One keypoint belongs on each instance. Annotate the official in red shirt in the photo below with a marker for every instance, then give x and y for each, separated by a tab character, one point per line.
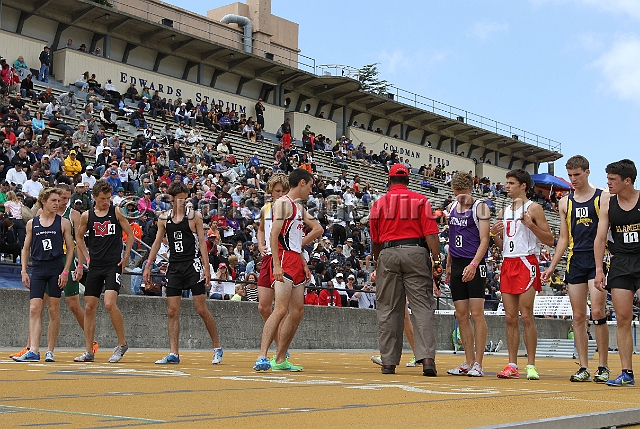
403	233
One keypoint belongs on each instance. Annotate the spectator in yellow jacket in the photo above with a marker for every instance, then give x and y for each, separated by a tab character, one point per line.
71	165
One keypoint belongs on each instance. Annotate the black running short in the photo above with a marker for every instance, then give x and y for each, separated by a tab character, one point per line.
185	275
102	278
44	273
472	289
581	267
624	272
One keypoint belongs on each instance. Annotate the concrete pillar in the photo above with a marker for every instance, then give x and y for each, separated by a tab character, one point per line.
497	159
106	46
536	167
200	77
454	145
403	131
551	168
345	119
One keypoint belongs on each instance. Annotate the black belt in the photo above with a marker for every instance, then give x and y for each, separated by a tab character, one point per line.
406	242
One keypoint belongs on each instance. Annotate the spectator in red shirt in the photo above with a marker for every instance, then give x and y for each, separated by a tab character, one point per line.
330	297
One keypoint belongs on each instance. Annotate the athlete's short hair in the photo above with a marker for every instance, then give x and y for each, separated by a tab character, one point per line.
176	188
623	168
102	187
46	193
297	175
462	182
522	176
577	161
280	178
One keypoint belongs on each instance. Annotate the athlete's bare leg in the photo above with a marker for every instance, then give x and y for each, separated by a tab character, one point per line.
598	311
35	323
110	297
73	302
53	330
408	327
200	304
511	306
476	307
622	303
290	323
90	307
265	305
466	331
282	292
173	322
529	325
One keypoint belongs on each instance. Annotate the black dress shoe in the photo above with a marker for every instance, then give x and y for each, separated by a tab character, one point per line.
429	367
388	369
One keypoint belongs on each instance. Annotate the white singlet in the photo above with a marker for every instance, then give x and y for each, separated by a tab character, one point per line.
518	239
268	223
290	237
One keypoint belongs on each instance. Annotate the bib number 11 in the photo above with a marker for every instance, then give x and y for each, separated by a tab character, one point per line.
630	237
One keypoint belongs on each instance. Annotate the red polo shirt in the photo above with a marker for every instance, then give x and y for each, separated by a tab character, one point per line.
401	214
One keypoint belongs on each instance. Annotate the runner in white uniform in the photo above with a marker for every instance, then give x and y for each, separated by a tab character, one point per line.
519	234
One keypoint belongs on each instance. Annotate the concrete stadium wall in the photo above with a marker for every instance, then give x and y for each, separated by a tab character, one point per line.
299	121
239	325
495	174
15	45
416	154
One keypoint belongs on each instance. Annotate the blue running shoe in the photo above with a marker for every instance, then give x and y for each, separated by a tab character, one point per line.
623	379
28	357
217	356
262	364
170	358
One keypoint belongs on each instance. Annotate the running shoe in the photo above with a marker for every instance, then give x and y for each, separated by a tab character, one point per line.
601	375
170	358
498	346
48	357
377	360
624	379
28	357
489	347
509	372
412	362
118	352
217	356
582	375
84	357
532	373
476	370
20	353
95	347
262	364
460	370
284	366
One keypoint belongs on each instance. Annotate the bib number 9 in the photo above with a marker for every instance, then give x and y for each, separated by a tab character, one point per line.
512	246
533	271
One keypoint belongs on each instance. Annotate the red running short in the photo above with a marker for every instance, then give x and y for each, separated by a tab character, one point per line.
519	274
291	264
265	279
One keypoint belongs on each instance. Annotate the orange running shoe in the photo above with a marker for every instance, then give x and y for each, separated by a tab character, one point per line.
95	347
20	353
509	372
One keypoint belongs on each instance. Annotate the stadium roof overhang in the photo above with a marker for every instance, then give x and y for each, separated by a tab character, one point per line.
342	91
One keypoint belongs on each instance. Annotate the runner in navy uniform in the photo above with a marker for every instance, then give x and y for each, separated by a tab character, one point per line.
105	261
44	243
188	269
579	217
621	215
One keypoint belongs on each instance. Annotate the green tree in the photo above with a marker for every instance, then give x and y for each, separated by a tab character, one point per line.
369	79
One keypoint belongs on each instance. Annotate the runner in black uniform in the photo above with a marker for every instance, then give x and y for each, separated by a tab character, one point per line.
106	224
188	269
44	239
579	216
621	215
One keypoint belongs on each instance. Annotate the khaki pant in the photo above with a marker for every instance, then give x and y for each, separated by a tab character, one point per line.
405	272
